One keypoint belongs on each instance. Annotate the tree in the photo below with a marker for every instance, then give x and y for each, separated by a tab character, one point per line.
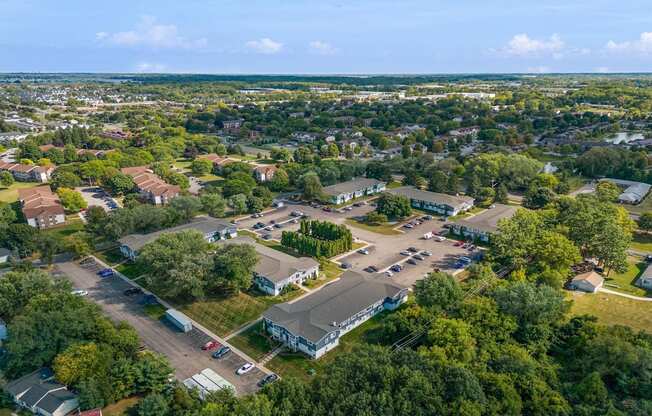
7	215
645	221
393	206
310	186
501	194
93	170
280	154
65	179
376	218
439	292
177	264
201	167
78	362
450	340
538	197
78	244
71	200
48	246
186	207
233	266
280	181
6	179
154	404
238	204
18	288
120	184
20	238
213	204
607	191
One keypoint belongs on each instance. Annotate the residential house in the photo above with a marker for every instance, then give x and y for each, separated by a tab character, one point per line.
27	173
41	207
434	201
633	193
315	323
465	131
217	160
276	270
213	230
356	188
264	173
232	126
116	134
149	185
589	282
39	393
481	226
645	280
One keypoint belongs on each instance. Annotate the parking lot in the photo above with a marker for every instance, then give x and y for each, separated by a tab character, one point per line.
95	196
383	250
182	349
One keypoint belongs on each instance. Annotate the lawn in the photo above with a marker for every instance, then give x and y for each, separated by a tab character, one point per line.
254	342
614	310
155	312
122	408
270	243
467	214
644	206
131	270
224	315
386	229
624	282
394	184
10	194
642	242
71	226
6	412
298	365
329	271
111	256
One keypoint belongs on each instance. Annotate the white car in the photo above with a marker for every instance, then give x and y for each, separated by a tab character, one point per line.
79	292
363	251
389	273
247	367
439	238
405	253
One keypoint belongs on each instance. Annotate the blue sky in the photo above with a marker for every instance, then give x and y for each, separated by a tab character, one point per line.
344	36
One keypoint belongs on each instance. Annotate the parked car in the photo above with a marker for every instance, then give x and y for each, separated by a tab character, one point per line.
210	345
294	221
426	253
267	237
133	291
104	271
345	265
396	268
458	243
465	259
439	238
268	228
372	269
413	249
278	226
389	273
259	225
412	261
296	213
357	204
221	352
417	257
79	292
268	379
405	253
257	215
408	225
363	251
247	367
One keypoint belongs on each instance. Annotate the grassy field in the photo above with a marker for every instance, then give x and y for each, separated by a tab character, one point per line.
254	342
298	365
472	211
644	206
226	314
329	271
614	310
71	226
642	242
122	408
10	194
624	282
131	270
272	244
6	412
385	229
111	256
155	312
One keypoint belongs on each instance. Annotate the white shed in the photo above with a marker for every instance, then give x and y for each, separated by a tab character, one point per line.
589	282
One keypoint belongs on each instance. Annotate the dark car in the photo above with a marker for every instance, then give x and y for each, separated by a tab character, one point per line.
267	236
413	249
345	265
278	226
396	268
371	269
412	261
221	352
268	379
133	291
149	300
417	257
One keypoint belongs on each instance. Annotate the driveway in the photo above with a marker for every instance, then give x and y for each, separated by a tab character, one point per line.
95	196
183	350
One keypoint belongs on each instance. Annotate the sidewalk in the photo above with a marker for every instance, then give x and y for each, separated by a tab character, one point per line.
625	295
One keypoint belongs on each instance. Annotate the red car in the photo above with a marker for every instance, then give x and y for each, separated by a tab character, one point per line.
210	345
458	243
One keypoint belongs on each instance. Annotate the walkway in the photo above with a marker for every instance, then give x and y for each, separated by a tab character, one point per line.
625	295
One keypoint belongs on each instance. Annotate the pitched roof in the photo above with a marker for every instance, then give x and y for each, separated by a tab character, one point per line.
39	201
432	197
487	221
351	186
590	277
320	313
201	224
39	389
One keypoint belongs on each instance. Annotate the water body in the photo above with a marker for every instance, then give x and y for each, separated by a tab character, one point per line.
621	137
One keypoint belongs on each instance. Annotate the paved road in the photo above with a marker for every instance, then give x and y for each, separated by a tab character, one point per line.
183	350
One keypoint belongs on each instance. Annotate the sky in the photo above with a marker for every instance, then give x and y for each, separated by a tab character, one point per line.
326	37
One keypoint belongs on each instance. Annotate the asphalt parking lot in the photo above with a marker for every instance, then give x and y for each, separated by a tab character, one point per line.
384	250
95	196
182	349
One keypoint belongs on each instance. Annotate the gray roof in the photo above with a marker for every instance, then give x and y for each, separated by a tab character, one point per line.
351	186
312	317
201	224
4	252
20	385
647	273
53	400
273	264
39	389
487	221
432	197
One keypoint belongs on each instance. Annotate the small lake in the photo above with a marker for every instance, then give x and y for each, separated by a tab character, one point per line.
621	137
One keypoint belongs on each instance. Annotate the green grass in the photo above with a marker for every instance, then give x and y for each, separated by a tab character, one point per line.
614	310
122	408
289	364
71	226
224	315
393	184
642	242
131	270
6	412
329	271
624	282
269	243
111	256
385	229
466	214
10	194
155	312
254	342
644	206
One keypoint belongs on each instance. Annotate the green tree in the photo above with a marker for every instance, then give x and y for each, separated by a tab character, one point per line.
201	167
6	179
310	186
439	292
71	200
213	204
233	265
238	203
154	404
645	221
607	191
120	184
393	206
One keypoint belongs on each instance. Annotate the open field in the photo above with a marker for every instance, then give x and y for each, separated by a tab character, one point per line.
10	194
642	242
624	282
385	229
614	310
121	408
253	342
72	225
111	256
644	206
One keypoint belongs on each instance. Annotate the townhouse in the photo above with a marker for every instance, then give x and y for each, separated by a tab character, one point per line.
218	161
39	393
27	173
481	226
150	186
41	207
315	323
356	188
434	201
213	229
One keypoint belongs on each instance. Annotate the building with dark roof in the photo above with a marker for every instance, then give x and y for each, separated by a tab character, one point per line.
314	324
276	270
39	393
213	229
355	188
434	201
481	226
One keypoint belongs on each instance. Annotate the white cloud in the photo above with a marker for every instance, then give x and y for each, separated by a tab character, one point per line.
150	33
322	48
265	46
150	67
642	45
523	45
